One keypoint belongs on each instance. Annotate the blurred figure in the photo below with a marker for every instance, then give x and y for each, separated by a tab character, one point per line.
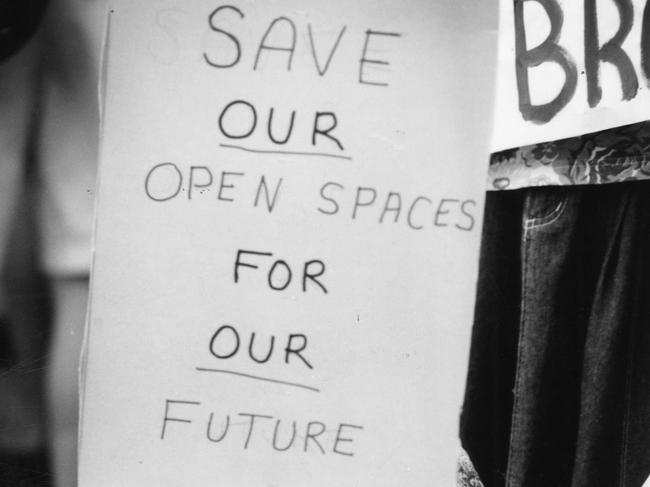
48	149
66	153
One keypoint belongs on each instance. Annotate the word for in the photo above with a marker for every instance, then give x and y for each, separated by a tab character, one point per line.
311	270
313	436
280	38
166	181
232	126
226	341
415	212
550	50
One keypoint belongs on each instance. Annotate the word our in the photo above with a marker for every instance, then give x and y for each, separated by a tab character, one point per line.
225	344
234	127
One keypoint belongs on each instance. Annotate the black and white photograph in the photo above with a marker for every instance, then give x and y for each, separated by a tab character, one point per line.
288	243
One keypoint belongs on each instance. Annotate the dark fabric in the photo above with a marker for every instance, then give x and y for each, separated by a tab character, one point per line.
25	470
24	333
557	390
485	422
19	20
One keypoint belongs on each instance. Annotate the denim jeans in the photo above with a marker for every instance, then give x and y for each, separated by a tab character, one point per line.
558	387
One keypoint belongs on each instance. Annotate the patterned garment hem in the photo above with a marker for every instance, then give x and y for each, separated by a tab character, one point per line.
466	475
610	156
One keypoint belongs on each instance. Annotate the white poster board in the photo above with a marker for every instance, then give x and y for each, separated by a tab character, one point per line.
285	306
570	67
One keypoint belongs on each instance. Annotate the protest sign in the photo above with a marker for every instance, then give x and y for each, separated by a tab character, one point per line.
570	67
286	242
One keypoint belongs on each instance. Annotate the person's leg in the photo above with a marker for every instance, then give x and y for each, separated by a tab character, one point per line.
580	417
613	439
524	337
560	256
485	419
560	291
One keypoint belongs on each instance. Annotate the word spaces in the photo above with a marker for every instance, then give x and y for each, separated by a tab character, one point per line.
168	181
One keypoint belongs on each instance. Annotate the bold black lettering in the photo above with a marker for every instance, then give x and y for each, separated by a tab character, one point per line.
645	42
235	41
548	51
611	52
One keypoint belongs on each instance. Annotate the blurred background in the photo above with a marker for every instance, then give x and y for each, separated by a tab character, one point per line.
49	63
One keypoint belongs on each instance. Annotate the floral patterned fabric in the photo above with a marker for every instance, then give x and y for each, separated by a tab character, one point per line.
610	156
466	475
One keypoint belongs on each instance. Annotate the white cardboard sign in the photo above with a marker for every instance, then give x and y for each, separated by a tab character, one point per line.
286	242
570	67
